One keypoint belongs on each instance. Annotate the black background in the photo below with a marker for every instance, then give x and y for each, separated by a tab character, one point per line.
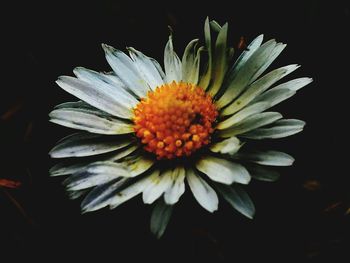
41	41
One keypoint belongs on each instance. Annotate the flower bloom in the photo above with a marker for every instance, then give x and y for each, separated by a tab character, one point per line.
149	131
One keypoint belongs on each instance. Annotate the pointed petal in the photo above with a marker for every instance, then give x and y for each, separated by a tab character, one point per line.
251	123
147	68
125	69
220	62
90	120
66	168
99	97
188	60
223	171
262	173
243	114
87	144
100	80
160	218
280	129
272	158
204	194
258	87
205	79
129	192
242	59
238	198
97	173
244	76
172	63
101	195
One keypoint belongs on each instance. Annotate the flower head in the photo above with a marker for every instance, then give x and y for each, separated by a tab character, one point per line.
148	131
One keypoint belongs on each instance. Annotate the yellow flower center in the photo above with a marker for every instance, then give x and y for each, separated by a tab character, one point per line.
175	120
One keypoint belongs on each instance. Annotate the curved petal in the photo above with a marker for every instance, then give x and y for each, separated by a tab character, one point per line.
280	129
90	120
202	191
129	192
87	144
223	171
97	173
97	96
251	123
101	195
238	198
125	69
228	146
188	60
272	158
147	68
160	218
243	114
244	76
258	87
117	88
172	63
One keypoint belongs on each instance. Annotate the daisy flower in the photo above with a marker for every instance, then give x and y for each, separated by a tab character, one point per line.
148	130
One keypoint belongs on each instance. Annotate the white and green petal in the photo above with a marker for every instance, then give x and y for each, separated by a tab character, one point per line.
223	171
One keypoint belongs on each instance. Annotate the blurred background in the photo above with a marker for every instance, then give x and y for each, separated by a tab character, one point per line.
302	217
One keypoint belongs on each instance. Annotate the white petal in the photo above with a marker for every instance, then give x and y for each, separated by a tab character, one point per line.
157	187
117	89
274	54
177	187
159	68
238	198
123	153
86	144
246	73
101	195
280	129
242	59
188	60
296	84
66	168
275	96
172	63
138	164
228	146
258	87
204	194
147	68
129	192
96	174
69	167
98	97
220	61
93	121
223	171
272	158
125	69
160	218
251	123
243	114
283	91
